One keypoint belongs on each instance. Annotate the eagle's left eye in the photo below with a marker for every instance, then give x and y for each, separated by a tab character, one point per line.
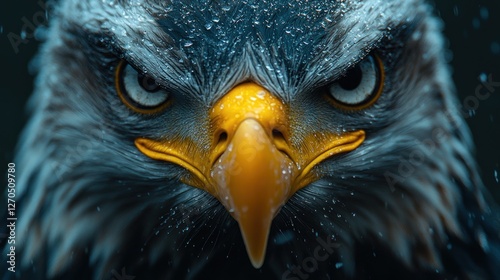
360	86
139	91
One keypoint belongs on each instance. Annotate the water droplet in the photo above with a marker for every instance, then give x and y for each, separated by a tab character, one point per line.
495	48
416	35
483	77
476	23
484	13
339	265
188	44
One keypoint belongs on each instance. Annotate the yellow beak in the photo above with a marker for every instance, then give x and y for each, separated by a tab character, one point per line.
252	167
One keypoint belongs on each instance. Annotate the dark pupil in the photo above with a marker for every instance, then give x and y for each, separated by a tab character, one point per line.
352	78
148	83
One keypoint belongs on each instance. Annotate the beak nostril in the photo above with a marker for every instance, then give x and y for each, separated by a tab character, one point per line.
277	135
280	141
220	145
222	138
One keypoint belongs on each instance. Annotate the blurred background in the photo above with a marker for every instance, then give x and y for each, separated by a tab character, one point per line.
472	29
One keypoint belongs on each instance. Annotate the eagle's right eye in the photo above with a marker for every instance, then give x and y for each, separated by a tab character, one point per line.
360	86
140	92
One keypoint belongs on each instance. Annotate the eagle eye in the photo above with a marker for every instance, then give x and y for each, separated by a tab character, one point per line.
139	91
360	86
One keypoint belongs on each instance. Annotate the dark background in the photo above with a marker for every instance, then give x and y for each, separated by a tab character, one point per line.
472	29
